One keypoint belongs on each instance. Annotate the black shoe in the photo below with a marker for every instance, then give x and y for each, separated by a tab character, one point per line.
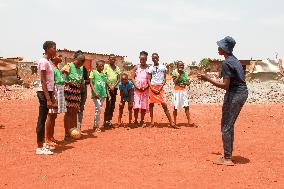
68	139
107	125
142	124
110	124
135	124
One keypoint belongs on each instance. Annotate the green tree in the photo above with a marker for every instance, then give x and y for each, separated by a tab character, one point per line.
205	62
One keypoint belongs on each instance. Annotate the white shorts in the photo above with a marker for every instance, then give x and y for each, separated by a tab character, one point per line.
180	99
59	96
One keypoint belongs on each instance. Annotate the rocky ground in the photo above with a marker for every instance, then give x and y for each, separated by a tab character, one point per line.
200	92
259	92
16	92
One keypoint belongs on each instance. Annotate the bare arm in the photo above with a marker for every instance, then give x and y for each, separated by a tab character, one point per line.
222	84
149	82
187	82
130	95
165	79
120	92
93	88
175	79
66	69
44	88
118	80
133	78
107	91
64	72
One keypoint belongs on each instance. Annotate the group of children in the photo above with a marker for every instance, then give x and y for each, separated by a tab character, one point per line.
149	89
59	91
64	90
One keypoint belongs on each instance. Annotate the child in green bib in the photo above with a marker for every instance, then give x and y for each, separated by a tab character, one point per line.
72	90
180	93
59	82
98	84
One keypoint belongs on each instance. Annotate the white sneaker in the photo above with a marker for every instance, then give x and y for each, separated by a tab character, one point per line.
43	151
50	147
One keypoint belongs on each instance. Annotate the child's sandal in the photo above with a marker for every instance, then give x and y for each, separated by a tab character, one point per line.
142	124
56	142
136	124
174	126
193	125
98	130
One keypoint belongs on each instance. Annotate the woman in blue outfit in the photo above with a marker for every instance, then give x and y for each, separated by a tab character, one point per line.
236	95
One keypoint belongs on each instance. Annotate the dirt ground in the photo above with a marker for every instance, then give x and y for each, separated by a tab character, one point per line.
158	157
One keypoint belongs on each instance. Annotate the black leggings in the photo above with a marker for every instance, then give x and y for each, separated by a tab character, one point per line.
42	115
110	105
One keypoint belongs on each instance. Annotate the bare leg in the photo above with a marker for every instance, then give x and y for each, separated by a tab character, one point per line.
70	120
175	116
136	111
66	122
73	123
130	107
121	107
143	112
167	112
186	109
151	107
50	123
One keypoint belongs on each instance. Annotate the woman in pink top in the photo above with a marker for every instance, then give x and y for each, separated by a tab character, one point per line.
45	95
141	93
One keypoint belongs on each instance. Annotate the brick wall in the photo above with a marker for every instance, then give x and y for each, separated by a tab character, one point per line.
91	58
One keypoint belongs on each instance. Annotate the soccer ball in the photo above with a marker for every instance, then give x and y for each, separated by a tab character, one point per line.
75	133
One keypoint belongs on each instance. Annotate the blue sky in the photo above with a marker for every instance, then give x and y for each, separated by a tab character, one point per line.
177	29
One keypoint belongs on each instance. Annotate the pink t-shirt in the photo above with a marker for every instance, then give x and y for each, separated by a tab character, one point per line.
44	64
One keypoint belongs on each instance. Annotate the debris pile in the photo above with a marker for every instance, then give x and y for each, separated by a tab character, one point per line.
16	92
259	92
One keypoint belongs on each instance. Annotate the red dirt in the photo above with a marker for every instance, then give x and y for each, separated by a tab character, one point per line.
157	157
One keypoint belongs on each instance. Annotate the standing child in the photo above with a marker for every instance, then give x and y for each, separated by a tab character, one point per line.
45	94
113	77
157	80
99	91
141	92
126	88
59	81
84	92
73	85
180	95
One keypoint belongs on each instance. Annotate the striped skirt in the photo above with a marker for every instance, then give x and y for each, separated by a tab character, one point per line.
72	92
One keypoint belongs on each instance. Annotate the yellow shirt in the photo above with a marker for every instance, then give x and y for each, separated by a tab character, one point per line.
111	74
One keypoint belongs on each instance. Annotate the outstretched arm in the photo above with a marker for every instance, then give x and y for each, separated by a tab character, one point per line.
223	84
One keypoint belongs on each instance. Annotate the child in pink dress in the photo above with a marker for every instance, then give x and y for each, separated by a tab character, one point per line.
141	92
